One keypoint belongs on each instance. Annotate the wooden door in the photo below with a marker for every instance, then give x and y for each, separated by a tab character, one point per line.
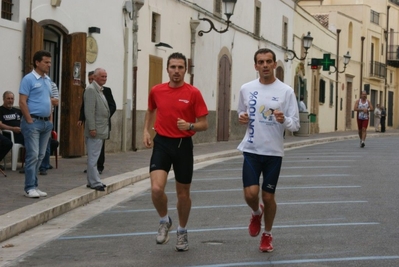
224	92
389	115
34	34
154	77
349	106
73	83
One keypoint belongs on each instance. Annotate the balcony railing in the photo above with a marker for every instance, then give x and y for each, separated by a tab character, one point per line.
396	2
393	55
393	52
378	69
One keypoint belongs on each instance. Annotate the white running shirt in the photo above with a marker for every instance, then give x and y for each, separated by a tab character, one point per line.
264	135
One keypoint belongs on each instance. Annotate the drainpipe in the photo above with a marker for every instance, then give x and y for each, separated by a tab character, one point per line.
386	60
193	25
336	82
137	4
30	9
125	76
361	64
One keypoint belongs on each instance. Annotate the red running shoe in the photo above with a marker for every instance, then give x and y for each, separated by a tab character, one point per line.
266	243
255	223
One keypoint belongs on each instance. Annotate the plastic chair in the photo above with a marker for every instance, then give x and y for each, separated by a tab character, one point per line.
14	151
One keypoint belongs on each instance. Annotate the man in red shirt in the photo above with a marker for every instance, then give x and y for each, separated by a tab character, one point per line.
180	112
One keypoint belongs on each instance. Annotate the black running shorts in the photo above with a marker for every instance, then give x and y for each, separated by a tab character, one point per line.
173	151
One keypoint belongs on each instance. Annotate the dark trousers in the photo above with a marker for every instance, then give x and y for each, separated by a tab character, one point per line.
382	125
101	158
5	146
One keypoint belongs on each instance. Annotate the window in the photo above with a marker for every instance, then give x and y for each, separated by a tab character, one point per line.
155	27
217	9
322	95
350	35
257	18
331	93
374	17
6	9
285	32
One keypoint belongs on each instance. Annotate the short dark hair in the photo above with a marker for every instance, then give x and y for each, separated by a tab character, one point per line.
177	56
264	51
90	73
38	56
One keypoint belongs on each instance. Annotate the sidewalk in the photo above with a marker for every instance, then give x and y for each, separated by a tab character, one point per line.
66	186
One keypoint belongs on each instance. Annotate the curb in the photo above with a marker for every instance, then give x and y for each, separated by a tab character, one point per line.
23	219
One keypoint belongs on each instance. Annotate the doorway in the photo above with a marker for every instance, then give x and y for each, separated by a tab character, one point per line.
224	95
68	51
348	111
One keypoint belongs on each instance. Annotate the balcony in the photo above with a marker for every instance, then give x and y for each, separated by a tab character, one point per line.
378	70
396	2
393	56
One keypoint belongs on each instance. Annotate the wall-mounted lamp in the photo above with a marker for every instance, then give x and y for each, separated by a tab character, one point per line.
347	58
229	6
307	43
94	30
164	45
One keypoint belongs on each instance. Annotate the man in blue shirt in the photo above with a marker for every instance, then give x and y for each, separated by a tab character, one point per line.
35	104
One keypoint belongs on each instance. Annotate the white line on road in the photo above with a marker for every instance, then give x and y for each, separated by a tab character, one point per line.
302	261
245	205
219	229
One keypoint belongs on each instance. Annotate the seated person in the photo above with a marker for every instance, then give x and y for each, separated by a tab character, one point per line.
11	118
52	143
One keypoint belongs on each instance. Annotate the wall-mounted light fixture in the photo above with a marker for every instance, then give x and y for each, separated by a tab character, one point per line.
347	58
229	6
307	43
94	30
164	45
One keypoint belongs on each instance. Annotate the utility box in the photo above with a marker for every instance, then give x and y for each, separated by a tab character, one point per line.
304	124
312	117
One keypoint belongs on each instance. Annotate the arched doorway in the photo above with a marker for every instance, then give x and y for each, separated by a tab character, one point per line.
68	72
224	93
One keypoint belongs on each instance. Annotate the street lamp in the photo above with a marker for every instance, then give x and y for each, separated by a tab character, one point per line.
347	58
307	43
229	6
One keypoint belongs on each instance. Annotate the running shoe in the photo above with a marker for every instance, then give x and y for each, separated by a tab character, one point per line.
182	241
255	223
163	232
266	243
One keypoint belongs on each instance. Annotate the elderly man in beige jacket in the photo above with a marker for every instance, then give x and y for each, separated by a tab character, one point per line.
97	115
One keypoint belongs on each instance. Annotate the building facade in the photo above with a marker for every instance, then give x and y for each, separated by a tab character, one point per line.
132	40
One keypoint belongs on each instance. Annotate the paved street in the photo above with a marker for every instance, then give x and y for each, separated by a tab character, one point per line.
337	206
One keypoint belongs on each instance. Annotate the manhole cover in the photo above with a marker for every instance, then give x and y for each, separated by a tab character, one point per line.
213	242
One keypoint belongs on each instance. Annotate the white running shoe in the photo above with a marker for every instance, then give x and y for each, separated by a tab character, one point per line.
41	193
32	193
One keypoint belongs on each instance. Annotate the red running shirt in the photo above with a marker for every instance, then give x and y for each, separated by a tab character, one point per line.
183	102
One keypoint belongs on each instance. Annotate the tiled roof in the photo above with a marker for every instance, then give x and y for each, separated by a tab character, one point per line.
322	18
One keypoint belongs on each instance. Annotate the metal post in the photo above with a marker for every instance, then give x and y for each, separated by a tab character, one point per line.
336	82
361	65
386	60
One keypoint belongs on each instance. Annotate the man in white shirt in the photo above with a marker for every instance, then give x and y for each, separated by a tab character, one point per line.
267	107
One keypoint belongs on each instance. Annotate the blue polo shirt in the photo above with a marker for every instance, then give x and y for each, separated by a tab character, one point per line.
38	90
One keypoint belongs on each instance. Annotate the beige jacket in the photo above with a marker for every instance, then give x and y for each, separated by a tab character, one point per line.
96	112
